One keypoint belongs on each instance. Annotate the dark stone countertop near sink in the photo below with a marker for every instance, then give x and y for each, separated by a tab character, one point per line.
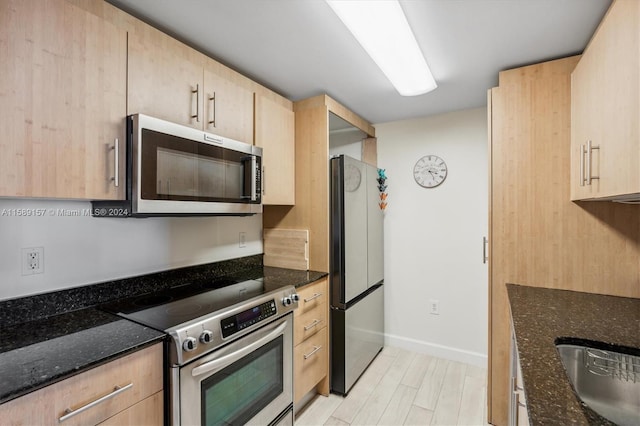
41	352
540	316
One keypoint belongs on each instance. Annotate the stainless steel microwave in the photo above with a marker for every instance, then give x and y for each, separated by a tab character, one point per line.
175	170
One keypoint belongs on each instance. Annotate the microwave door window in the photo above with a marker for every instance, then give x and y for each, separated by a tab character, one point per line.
234	173
220	179
177	174
211	175
187	176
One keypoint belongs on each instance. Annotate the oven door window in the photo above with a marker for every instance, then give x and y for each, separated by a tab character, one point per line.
237	393
179	169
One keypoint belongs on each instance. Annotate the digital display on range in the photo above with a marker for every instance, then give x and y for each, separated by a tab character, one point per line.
244	319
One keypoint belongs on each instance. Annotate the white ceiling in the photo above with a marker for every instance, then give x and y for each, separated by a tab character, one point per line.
300	48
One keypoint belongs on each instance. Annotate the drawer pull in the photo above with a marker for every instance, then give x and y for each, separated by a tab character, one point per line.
313	324
116	390
310	354
315	296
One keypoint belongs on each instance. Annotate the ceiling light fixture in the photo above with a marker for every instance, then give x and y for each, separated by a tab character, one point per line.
381	27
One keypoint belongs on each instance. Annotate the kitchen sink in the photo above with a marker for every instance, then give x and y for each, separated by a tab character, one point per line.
607	381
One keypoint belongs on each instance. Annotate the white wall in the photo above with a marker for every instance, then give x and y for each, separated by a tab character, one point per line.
347	142
433	237
86	250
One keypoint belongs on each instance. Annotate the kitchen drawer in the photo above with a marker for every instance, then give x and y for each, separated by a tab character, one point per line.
148	412
310	322
310	360
312	296
139	374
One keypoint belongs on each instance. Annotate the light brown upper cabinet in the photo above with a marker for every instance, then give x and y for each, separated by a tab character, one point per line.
605	101
228	107
62	102
275	133
174	82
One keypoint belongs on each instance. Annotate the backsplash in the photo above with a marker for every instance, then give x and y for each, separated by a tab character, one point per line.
81	250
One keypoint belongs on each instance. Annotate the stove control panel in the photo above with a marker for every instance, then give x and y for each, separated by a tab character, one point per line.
203	335
249	317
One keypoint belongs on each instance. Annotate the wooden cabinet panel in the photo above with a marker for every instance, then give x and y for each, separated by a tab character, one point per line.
165	78
228	108
605	100
142	370
174	82
275	133
62	101
311	315
148	412
310	360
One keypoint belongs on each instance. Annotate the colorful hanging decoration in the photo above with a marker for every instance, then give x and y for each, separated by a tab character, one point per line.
382	187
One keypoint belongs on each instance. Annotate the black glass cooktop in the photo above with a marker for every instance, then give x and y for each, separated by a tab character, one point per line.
177	305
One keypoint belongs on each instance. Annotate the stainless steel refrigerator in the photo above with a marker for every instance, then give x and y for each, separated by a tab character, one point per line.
357	272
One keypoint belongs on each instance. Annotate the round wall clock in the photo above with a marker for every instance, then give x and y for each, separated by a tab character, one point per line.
430	171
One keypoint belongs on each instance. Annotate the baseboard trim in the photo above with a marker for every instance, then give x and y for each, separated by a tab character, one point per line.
439	351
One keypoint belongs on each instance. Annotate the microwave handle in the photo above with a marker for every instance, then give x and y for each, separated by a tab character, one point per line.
253	196
216	364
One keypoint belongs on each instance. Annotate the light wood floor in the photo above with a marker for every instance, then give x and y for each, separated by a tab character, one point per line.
406	388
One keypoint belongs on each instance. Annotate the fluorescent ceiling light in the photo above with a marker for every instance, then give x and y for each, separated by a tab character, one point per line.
382	29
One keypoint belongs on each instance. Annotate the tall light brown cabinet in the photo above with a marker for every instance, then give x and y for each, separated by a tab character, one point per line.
311	212
538	236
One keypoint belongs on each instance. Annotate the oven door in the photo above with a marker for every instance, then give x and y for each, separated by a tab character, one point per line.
177	169
249	381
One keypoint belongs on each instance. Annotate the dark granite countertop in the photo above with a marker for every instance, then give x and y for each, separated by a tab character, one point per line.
41	352
291	276
49	337
541	317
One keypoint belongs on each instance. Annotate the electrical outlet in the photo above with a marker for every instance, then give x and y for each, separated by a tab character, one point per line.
434	307
242	240
32	260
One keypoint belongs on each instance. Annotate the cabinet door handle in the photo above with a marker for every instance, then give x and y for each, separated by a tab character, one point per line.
264	187
116	166
313	324
197	92
212	99
582	154
590	149
315	296
116	390
310	354
485	242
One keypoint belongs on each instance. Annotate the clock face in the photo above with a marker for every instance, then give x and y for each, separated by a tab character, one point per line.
430	171
352	178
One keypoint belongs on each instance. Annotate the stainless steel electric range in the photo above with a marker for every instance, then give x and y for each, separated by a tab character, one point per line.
230	353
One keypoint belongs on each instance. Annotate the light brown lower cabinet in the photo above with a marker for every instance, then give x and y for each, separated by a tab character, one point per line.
310	363
125	391
311	341
148	412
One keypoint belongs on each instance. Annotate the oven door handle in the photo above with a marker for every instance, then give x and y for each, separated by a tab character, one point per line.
217	364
